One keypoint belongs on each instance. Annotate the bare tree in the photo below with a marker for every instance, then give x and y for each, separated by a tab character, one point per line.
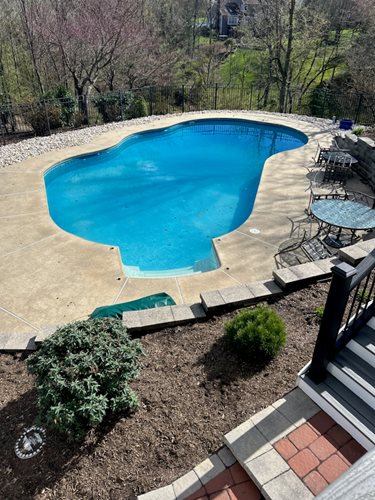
85	35
28	11
360	59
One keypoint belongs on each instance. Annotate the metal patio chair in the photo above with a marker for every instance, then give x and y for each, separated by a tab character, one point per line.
305	243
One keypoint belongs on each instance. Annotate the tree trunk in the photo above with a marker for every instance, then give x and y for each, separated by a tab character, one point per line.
285	73
82	101
31	42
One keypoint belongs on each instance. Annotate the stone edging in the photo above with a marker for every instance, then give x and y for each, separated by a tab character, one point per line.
213	301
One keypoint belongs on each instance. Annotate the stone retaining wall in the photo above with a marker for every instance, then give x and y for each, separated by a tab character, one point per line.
363	149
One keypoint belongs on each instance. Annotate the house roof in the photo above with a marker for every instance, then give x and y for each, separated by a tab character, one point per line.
232	9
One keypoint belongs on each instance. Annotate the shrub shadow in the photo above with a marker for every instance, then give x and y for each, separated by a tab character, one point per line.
222	363
28	478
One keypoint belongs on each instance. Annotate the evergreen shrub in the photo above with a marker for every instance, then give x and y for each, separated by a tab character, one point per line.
113	106
37	117
82	373
138	108
256	334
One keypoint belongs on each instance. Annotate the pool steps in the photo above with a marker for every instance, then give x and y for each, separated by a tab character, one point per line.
213	301
199	266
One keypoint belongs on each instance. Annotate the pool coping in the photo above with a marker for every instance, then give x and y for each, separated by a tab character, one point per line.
45	264
213	302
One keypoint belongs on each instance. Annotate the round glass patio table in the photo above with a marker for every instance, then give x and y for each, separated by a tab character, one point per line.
346	214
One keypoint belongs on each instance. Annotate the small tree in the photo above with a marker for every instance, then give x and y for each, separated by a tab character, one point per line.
82	373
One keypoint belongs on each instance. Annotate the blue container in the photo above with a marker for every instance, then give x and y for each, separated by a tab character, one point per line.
346	124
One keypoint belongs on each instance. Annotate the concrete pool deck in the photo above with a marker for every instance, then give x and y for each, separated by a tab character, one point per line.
49	277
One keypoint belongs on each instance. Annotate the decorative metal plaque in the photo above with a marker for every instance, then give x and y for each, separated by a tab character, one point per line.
30	443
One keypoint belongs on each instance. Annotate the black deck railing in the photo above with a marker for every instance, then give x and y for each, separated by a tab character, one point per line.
350	304
47	116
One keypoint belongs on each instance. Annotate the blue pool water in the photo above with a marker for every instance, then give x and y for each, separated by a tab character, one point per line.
161	196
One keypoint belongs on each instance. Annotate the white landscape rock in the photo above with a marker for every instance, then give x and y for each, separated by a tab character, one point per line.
15	153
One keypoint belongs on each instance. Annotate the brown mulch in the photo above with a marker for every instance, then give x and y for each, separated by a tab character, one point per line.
192	389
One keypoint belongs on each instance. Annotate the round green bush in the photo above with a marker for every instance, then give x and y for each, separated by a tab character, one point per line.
256	334
82	373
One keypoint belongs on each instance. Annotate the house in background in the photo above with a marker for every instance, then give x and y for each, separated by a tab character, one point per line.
231	13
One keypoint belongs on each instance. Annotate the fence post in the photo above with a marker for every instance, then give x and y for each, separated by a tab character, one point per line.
358	109
87	108
183	98
150	99
215	98
334	310
2	123
324	102
121	104
2	132
251	98
47	119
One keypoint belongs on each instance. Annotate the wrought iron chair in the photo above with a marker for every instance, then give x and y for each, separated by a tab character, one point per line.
359	197
336	173
321	186
305	243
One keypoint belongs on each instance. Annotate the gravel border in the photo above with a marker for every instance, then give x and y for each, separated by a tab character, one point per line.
15	153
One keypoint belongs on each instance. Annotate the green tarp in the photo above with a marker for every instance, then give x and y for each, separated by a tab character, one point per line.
149	302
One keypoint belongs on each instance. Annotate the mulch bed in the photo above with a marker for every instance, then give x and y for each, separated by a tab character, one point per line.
192	389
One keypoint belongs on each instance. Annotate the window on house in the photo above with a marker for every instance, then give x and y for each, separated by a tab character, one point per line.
232	20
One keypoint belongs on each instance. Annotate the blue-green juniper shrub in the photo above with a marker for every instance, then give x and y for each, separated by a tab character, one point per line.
82	373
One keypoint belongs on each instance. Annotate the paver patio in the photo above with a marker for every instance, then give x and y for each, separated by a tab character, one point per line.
290	450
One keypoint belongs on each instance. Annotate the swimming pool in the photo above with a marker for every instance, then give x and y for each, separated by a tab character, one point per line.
161	196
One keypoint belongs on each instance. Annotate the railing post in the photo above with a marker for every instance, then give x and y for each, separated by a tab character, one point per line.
215	101
334	310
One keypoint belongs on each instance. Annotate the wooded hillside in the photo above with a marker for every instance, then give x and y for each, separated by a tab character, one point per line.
57	48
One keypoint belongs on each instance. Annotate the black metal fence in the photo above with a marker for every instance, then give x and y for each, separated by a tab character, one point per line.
49	116
350	304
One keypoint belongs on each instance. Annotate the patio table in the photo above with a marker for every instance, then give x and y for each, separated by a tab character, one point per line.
339	158
344	214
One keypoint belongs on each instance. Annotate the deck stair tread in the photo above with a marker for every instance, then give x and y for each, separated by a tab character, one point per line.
345	402
366	338
352	403
357	369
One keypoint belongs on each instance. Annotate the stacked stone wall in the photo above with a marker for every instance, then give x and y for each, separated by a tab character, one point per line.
363	149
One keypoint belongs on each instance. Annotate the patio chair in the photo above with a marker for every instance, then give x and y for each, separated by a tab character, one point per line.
305	243
320	157
315	248
361	198
335	145
321	186
336	173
